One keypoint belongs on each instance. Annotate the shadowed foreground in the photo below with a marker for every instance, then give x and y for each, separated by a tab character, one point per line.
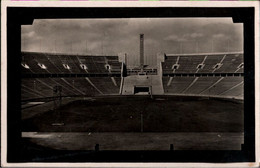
137	141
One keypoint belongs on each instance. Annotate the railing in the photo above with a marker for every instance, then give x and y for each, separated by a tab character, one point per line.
115	74
203	74
147	71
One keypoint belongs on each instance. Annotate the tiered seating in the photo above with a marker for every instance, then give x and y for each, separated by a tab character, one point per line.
238	91
43	87
201	84
83	85
95	64
43	59
26	94
67	64
34	88
115	64
76	64
51	83
54	63
230	63
31	60
100	63
58	63
223	86
106	85
167	64
88	61
177	85
65	59
210	62
67	86
240	70
189	63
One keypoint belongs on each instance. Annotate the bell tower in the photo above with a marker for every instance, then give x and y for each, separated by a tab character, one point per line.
142	52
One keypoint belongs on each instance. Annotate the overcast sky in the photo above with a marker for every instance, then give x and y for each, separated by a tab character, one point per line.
113	36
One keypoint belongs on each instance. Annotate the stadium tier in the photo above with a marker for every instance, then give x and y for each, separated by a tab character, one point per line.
44	63
107	85
43	87
211	86
176	84
203	63
208	84
161	82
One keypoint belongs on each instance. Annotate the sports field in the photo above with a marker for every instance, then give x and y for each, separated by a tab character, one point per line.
141	114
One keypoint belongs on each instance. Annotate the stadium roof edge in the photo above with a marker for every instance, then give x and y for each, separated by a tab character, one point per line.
68	54
206	54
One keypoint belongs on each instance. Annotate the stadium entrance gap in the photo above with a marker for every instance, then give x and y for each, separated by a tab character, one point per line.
142	90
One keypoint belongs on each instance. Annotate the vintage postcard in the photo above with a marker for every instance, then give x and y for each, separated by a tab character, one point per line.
130	84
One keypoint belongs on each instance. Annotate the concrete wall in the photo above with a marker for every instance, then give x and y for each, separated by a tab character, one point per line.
146	80
122	57
160	59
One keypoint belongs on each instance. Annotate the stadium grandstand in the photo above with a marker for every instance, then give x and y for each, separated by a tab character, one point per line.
50	65
212	74
102	100
218	74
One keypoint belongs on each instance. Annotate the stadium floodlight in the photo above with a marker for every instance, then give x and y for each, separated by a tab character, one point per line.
25	66
66	66
42	66
83	66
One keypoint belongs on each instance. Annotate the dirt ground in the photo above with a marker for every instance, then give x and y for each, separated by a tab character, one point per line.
137	141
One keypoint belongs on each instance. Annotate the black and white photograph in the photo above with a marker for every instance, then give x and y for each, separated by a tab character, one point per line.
126	85
149	101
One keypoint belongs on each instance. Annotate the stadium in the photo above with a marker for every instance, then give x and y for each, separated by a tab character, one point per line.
102	104
177	92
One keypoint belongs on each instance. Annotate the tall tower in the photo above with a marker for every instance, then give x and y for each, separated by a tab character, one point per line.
142	51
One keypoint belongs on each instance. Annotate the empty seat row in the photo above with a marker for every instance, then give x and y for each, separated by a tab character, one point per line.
32	88
223	86
44	63
221	63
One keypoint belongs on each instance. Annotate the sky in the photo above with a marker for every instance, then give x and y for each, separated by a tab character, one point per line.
113	36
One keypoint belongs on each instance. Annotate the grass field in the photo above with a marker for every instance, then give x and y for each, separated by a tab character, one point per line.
123	114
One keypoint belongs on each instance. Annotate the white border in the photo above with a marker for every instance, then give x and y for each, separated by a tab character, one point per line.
5	4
